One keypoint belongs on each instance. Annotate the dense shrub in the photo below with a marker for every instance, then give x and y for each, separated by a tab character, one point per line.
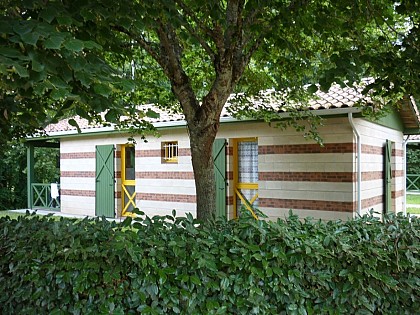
169	265
413	158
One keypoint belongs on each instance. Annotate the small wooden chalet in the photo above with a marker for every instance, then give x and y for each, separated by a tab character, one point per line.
359	168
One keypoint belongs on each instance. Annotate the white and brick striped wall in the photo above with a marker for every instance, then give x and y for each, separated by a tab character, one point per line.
162	187
293	173
373	139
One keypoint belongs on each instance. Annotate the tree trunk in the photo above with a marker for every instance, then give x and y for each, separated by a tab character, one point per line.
201	141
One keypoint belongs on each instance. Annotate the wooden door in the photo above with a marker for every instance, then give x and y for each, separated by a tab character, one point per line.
219	160
105	181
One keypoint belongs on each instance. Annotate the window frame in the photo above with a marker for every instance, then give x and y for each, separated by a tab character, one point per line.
170	152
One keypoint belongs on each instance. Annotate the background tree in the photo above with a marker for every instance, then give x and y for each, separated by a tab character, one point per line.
413	158
60	54
13	188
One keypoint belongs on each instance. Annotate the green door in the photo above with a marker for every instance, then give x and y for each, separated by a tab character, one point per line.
105	181
388	176
219	159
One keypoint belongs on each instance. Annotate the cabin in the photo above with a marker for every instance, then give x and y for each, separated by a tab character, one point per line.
360	166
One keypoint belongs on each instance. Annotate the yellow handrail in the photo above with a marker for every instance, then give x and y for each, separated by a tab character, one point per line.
248	204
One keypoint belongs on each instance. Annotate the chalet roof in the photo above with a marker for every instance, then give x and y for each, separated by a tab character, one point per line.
332	101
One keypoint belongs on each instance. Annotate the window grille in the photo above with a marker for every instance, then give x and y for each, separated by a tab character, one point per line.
170	152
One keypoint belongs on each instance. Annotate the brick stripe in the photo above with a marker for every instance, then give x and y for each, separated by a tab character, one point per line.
340	177
79	193
165	175
159	153
166	197
374	175
399	153
371	149
307	148
229	200
84	193
373	201
397	194
377	150
78	155
398	173
307	204
82	174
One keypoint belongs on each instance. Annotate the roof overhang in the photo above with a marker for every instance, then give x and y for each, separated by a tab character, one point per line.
183	123
410	116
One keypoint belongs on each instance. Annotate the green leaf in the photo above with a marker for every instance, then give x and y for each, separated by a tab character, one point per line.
84	78
87	14
226	260
23	28
74	123
10	52
65	20
48	14
92	45
74	45
54	42
30	38
312	88
37	66
152	114
21	71
196	280
128	86
102	89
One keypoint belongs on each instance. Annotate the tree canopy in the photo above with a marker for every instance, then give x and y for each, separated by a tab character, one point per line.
59	57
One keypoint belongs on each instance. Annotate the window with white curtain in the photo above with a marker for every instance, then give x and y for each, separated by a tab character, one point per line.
247	157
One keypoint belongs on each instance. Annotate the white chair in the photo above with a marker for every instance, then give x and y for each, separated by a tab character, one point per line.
54	195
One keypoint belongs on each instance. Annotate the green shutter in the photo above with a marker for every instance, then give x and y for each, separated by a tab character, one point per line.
219	159
388	176
105	181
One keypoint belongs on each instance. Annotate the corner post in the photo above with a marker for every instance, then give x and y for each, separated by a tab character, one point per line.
30	172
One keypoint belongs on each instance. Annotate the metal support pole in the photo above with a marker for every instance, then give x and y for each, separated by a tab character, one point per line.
30	172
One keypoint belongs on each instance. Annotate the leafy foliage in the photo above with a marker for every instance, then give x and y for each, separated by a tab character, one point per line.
53	64
175	265
62	57
413	159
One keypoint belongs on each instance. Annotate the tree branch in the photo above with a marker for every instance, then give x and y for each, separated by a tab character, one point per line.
195	34
170	52
143	43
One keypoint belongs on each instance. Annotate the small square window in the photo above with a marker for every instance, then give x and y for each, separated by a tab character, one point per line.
170	152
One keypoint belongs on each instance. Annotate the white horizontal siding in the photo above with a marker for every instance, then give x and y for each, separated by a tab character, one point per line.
78	205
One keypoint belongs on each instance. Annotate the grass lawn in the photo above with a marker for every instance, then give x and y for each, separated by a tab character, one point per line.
413	210
15	215
413	199
11	214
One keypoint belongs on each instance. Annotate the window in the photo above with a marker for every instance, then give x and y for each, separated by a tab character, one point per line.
245	175
170	152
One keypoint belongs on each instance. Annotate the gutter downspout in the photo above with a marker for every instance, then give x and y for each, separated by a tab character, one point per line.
405	174
358	166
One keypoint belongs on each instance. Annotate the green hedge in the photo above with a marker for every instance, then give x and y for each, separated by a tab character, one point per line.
169	265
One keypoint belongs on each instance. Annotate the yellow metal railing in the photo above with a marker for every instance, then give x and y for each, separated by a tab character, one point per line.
247	203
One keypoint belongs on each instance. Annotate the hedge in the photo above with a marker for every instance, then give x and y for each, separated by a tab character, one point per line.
169	265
